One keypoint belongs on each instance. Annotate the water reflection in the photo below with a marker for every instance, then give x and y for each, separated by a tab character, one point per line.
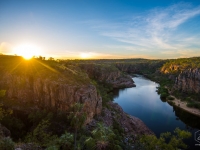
143	102
192	121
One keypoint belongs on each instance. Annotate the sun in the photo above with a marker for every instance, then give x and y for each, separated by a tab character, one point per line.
85	55
27	51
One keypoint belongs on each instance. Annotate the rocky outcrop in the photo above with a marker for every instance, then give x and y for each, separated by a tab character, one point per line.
188	81
108	74
131	125
170	69
55	95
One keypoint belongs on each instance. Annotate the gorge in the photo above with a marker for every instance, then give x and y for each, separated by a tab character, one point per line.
48	87
145	103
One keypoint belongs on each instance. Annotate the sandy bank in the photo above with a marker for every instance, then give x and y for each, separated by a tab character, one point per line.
183	105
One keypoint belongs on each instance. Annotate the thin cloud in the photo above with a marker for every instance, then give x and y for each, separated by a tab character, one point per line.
154	31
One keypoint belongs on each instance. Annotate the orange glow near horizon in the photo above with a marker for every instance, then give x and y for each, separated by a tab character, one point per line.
27	51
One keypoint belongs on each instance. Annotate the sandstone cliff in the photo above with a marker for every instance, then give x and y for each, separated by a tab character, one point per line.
130	68
108	74
48	85
146	66
173	68
55	95
186	78
188	81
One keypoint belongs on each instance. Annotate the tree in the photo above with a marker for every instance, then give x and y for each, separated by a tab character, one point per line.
6	143
175	142
101	137
77	117
64	142
40	134
3	112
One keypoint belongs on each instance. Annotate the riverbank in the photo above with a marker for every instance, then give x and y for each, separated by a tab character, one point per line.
183	105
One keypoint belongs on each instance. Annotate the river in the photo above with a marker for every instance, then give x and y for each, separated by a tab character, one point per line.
143	102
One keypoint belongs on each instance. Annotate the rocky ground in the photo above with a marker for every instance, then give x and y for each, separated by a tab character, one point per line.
131	126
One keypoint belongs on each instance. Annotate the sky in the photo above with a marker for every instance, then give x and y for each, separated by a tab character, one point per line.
100	29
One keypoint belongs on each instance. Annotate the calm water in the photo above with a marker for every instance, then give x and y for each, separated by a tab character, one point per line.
143	102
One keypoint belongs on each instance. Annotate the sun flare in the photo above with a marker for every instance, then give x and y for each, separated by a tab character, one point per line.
85	55
27	51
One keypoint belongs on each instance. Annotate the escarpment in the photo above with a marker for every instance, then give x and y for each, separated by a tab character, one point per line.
128	68
184	73
108	74
141	67
47	85
47	94
188	81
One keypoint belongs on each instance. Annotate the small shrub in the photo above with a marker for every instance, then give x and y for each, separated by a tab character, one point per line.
52	148
163	95
170	98
40	134
193	105
6	144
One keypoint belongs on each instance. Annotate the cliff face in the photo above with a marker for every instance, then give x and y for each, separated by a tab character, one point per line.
116	116
108	74
148	66
170	69
188	81
185	79
130	68
50	94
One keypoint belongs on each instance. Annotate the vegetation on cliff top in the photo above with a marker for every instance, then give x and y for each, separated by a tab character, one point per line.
174	66
39	68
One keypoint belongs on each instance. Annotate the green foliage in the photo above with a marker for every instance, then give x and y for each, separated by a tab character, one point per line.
64	142
52	148
167	141
163	92
39	115
104	89
193	104
41	135
6	143
77	117
177	65
170	98
3	112
90	143
102	138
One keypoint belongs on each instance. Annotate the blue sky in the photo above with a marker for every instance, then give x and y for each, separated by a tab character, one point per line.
101	28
